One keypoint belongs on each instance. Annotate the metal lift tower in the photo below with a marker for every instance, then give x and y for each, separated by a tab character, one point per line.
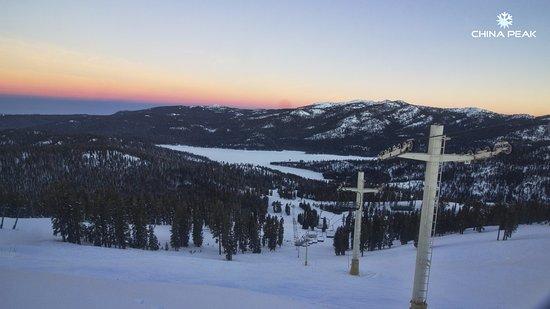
432	180
358	213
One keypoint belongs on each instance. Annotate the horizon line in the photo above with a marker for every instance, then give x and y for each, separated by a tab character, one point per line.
155	104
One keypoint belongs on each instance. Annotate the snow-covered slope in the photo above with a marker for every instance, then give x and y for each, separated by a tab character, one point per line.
469	271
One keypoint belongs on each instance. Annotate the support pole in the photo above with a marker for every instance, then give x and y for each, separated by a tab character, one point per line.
360	190
307	245
433	158
421	272
357	229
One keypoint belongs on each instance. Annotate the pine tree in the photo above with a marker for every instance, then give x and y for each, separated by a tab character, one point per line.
216	223
277	207
462	219
60	222
58	199
228	238
270	232
254	234
281	232
185	226
139	226
152	241
110	233
305	222
341	241
336	241
510	222
75	226
478	217
500	214
175	235
404	236
197	230
240	232
67	219
121	228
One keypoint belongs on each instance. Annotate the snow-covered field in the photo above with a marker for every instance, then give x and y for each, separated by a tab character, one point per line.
264	158
469	271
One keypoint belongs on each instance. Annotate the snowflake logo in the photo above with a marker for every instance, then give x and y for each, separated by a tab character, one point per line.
504	20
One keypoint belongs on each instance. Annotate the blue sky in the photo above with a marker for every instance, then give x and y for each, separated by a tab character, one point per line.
275	53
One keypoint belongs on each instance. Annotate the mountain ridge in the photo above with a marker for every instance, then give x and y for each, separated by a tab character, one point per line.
319	103
354	127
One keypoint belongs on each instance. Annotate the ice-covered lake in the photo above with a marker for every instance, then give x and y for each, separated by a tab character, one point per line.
264	158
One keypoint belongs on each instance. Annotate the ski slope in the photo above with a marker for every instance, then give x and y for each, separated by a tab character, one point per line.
469	271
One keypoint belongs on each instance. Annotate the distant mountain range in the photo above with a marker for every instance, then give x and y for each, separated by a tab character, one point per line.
358	127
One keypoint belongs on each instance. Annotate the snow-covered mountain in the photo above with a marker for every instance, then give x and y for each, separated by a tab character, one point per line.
357	127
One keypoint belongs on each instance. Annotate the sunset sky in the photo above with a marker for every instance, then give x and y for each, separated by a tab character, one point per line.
273	53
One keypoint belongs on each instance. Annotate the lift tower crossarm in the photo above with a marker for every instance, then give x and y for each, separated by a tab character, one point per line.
415	156
500	147
444	157
365	190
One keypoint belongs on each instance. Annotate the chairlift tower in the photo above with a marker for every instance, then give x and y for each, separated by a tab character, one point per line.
432	181
360	190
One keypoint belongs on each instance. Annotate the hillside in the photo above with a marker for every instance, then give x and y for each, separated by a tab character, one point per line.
361	127
33	164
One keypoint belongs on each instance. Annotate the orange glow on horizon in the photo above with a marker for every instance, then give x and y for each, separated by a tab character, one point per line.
44	70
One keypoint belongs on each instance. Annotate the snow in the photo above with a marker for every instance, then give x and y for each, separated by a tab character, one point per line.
74	292
93	157
209	130
535	133
353	104
264	158
326	105
421	121
179	128
365	122
48	142
300	113
316	111
131	158
406	184
471	111
407	114
469	271
344	127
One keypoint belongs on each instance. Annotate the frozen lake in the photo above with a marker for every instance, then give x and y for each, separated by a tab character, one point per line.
264	158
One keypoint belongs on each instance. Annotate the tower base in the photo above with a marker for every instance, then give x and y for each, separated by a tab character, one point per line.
415	305
354	267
